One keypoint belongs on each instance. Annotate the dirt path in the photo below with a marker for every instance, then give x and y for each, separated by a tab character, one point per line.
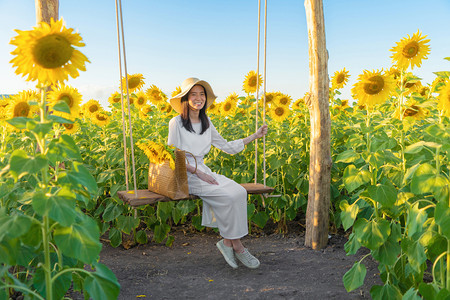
194	269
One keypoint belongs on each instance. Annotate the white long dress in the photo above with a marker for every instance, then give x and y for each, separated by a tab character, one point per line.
224	205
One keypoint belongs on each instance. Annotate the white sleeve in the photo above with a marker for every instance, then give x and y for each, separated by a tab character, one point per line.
174	134
218	141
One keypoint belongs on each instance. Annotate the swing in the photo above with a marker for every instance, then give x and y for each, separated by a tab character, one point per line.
143	197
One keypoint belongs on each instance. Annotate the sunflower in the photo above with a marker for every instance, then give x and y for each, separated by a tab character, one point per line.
157	153
46	53
339	79
3	115
135	82
250	82
141	99
155	95
394	72
100	118
115	97
410	51
228	106
4	101
438	83
145	111
299	104
71	128
18	106
412	109
67	94
91	107
282	100
214	108
444	99
373	88
279	113
176	92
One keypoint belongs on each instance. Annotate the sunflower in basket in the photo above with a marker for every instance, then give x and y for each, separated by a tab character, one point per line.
158	153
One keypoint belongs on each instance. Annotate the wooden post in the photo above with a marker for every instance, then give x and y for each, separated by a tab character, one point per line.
46	9
320	158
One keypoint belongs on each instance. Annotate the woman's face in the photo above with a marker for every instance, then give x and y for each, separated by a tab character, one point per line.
197	98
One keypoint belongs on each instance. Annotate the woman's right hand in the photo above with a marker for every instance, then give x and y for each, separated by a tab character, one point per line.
205	177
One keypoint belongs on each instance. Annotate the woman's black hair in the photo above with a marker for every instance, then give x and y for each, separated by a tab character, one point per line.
185	119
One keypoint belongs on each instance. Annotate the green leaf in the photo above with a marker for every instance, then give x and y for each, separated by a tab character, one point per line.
347	156
59	209
62	149
115	236
415	252
411	294
59	119
160	233
376	159
19	122
428	290
352	245
425	180
80	240
415	219
164	210
388	252
354	178
80	176
260	219
354	278
59	287
102	284
442	217
41	129
348	213
61	106
14	226
386	291
372	234
127	223
112	211
170	240
141	237
21	164
186	206
385	194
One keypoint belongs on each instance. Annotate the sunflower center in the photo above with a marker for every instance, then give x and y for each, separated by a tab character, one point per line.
52	51
284	100
21	109
409	112
93	108
374	85
252	81
101	117
141	101
227	106
279	111
340	78
133	82
68	126
411	49
67	98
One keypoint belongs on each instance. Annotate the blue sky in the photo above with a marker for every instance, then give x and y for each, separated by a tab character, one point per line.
168	41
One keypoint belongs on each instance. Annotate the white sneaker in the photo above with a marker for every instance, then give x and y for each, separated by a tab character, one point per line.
227	253
247	259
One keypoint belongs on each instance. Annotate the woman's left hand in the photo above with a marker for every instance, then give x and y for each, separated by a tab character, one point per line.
262	131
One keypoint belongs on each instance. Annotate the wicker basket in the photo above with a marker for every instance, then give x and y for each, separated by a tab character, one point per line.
167	182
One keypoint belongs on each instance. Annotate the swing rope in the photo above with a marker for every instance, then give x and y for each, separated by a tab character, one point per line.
264	90
119	12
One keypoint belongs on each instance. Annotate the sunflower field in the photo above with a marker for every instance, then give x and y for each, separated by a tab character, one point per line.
62	164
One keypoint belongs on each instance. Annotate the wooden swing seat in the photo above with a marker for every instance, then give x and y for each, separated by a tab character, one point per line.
145	197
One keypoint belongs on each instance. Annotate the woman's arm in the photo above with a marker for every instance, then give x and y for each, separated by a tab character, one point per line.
262	131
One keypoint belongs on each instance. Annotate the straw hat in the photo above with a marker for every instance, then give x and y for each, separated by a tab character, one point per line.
186	87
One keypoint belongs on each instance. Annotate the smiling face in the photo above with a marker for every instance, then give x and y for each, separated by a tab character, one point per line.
197	98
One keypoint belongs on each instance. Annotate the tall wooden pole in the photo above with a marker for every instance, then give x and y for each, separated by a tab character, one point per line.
320	158
46	9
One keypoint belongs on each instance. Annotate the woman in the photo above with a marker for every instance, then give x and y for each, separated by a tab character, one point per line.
224	201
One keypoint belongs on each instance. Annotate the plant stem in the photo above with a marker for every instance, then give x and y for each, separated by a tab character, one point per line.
47	268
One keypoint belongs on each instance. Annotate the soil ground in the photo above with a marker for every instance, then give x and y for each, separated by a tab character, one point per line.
193	268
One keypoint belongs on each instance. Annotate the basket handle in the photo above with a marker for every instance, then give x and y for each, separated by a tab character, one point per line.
194	160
